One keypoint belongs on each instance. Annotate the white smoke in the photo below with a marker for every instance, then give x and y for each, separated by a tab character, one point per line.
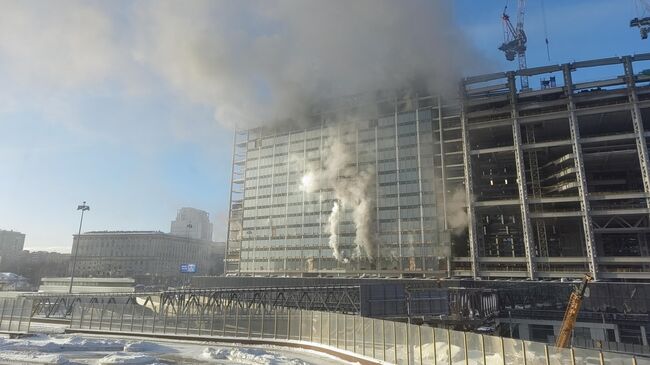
333	228
308	183
352	190
456	211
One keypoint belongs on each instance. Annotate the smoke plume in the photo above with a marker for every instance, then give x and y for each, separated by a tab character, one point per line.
333	228
456	211
257	61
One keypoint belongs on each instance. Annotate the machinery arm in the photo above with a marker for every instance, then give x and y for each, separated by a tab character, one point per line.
571	314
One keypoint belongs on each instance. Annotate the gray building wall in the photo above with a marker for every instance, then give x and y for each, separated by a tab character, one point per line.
11	244
143	255
192	223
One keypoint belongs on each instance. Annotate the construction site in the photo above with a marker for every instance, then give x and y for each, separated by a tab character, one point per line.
505	195
554	182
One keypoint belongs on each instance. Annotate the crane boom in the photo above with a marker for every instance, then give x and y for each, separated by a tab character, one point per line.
571	314
514	39
642	21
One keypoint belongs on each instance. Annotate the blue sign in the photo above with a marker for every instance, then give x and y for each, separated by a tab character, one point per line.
188	268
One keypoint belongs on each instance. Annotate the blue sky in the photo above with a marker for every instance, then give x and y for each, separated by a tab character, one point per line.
138	137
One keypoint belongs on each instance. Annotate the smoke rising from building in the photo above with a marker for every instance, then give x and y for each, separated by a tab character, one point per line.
456	211
333	227
258	61
353	189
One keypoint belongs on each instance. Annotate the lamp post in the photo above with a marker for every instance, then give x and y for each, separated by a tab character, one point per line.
187	248
83	207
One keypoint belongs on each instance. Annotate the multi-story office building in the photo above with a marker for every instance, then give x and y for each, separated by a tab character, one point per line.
11	244
499	182
147	256
192	223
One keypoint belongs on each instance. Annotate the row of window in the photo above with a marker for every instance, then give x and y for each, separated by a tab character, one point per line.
386	150
365	130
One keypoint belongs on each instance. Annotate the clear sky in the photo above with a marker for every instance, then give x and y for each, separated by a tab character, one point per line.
104	102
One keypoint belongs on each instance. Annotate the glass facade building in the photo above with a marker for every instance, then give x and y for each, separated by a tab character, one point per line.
282	226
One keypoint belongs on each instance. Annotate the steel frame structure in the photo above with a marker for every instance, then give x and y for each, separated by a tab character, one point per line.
492	103
331	298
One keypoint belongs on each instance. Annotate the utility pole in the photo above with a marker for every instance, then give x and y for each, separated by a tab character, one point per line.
83	207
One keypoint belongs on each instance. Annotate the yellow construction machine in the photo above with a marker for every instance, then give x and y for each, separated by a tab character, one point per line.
571	314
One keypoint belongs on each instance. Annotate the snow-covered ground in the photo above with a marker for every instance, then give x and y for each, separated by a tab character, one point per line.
53	348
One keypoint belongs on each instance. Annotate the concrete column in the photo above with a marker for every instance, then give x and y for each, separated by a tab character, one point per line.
524	331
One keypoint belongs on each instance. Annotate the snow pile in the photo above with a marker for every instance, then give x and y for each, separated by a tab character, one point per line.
62	343
210	353
32	358
144	346
123	358
248	356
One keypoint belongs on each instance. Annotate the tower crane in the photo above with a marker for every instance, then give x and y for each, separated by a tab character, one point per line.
642	21
514	39
571	314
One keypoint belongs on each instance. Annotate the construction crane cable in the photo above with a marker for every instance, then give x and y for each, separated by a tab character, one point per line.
548	53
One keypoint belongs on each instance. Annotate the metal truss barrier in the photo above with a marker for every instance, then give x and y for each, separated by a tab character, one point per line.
334	298
389	341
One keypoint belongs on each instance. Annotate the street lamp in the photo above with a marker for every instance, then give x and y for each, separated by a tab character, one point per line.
83	207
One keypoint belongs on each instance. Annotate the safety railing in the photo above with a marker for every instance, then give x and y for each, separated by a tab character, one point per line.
15	314
389	341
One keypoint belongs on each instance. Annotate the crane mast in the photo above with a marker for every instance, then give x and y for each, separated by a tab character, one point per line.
514	39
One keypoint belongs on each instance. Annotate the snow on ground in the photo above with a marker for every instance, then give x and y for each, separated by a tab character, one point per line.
123	358
112	350
60	343
17	357
248	356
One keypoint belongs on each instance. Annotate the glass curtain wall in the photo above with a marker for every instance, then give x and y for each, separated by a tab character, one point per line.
290	194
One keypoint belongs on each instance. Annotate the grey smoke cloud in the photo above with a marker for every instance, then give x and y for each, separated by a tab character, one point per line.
256	61
252	61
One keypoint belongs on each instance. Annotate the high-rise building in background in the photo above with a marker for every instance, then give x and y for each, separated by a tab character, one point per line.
192	223
11	244
498	182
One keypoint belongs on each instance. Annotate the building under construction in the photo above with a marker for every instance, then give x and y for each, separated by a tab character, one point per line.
546	182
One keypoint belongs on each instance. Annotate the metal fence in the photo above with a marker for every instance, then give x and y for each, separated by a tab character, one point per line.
15	314
611	346
393	342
